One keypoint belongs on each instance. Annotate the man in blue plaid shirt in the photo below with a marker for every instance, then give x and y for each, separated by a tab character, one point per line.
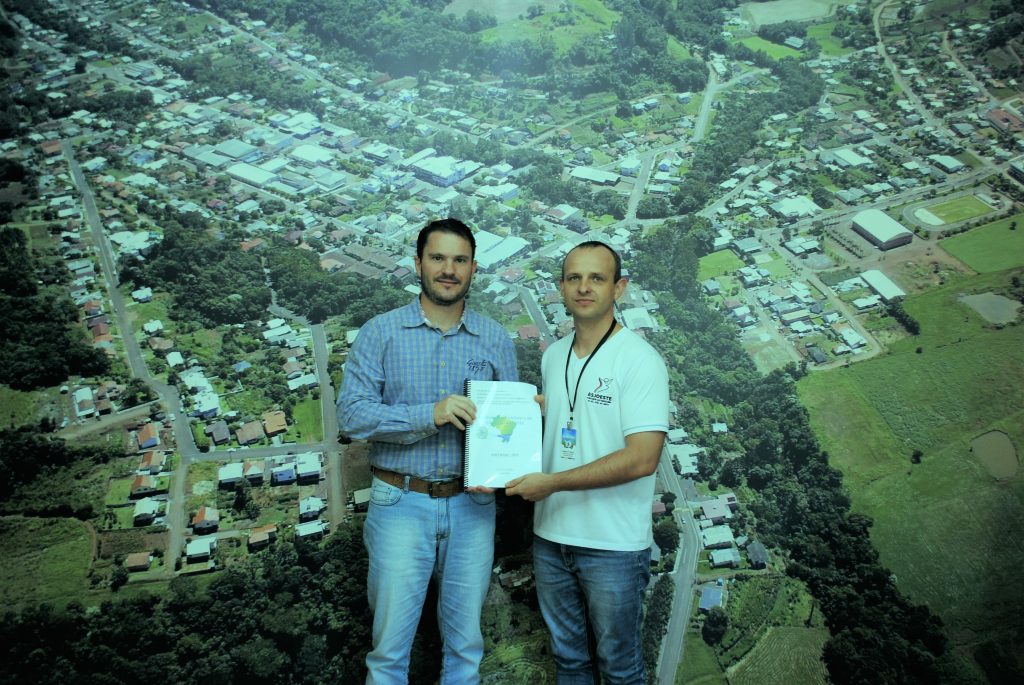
403	391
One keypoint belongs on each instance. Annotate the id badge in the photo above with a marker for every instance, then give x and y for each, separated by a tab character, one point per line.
568	447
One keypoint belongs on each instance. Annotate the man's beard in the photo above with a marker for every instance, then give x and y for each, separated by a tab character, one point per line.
439	298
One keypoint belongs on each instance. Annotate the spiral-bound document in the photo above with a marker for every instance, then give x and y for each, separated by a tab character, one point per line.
504	441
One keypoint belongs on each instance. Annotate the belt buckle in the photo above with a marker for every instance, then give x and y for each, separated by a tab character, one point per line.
435	488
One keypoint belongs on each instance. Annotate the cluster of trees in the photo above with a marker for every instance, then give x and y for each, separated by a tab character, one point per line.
910	324
778	33
659	611
291	614
40	340
235	70
736	130
29	457
799	504
212	281
304	288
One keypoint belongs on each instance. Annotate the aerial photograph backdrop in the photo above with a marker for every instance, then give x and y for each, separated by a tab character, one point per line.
819	208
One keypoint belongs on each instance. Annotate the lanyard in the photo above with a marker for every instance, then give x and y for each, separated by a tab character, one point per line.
572	400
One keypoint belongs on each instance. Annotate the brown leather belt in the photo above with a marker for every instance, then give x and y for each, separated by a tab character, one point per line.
434	488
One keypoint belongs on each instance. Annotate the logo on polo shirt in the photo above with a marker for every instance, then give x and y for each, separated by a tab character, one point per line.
478	365
599	394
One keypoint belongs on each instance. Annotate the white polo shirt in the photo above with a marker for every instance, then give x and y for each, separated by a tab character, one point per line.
623	390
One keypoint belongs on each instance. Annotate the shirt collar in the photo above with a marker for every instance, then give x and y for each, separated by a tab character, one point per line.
413	316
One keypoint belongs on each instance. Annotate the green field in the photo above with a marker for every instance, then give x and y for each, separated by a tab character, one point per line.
960	209
830	45
773	50
871	416
784	656
307	418
718	264
992	247
590	18
43	560
18	408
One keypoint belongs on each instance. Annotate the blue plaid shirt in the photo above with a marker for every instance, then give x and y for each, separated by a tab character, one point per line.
398	368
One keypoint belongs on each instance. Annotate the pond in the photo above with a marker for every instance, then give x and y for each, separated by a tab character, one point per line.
996	453
993	308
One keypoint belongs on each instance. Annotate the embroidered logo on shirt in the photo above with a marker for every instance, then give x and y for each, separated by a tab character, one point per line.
477	365
599	394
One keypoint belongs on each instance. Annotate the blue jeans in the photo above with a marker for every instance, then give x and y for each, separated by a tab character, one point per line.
579	584
409	537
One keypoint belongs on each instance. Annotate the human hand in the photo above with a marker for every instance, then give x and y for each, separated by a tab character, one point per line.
539	399
482	489
457	410
532	487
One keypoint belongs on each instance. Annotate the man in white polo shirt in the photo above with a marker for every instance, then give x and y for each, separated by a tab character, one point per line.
606	415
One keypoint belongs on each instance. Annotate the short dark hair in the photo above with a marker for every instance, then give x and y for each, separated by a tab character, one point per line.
592	244
448	225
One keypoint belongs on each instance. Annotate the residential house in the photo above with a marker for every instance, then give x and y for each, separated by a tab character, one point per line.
250	433
206	520
200	549
137	562
274	423
307	467
312	530
146	511
153	462
757	555
310	508
218	432
725	557
262	537
148	436
717	537
142	486
283	474
710	597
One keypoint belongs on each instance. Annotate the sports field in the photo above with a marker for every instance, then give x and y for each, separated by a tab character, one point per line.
942	525
960	209
773	50
992	247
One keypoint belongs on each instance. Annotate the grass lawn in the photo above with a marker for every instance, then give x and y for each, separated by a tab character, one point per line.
44	560
18	408
992	247
119	491
307	417
677	50
699	664
871	416
718	263
830	45
591	17
773	50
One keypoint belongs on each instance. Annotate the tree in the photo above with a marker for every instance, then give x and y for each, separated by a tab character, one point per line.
666	535
715	625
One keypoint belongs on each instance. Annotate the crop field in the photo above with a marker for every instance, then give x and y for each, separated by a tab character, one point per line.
992	247
872	416
960	209
43	560
784	656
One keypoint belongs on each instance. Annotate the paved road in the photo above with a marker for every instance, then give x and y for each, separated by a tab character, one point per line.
683	575
168	395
